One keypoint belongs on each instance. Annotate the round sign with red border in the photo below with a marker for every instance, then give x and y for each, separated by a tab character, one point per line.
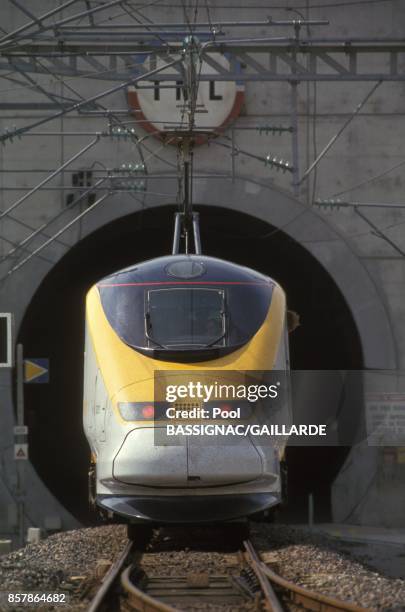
162	107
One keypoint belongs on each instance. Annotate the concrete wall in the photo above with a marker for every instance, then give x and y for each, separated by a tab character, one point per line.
368	270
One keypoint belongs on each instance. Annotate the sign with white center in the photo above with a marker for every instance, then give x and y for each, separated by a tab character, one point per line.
21	452
20	430
6	356
163	106
385	419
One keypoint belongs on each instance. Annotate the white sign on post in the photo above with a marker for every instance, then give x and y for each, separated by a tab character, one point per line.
6	354
20	430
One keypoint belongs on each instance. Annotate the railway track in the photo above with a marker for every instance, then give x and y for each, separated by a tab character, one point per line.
251	586
109	581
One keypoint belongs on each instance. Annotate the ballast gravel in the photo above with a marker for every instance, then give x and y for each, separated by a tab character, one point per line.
60	564
64	562
318	563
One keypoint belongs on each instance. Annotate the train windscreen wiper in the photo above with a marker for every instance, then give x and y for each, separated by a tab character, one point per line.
148	327
221	337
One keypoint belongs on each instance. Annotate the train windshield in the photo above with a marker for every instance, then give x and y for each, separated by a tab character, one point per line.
165	320
196	317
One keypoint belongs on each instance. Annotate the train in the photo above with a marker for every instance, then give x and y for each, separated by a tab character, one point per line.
167	321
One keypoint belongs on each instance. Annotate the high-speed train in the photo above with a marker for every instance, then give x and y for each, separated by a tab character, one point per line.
175	317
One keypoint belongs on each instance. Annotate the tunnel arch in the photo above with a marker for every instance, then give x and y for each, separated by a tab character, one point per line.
280	216
53	326
262	200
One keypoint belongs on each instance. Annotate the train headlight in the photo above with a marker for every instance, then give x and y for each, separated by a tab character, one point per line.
136	411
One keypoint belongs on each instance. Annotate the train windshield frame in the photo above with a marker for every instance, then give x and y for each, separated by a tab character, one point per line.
197	317
127	300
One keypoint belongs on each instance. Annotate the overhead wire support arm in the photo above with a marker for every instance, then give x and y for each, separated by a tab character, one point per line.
41	229
91	17
269	160
54	98
378	232
213	25
339	133
78	105
56	236
54	26
37	20
50	177
336	204
26	12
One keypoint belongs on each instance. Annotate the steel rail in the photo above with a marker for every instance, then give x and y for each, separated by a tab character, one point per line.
109	579
310	600
137	599
272	603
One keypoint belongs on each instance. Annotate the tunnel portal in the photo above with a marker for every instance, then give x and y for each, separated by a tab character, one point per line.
53	327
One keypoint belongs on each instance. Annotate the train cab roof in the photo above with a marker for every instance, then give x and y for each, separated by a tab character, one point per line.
188	268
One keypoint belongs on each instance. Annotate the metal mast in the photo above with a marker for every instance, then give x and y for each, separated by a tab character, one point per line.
186	220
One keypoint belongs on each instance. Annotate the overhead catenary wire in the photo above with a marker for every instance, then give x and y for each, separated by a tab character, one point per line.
53	174
372	179
57	24
55	77
111	114
138	6
267	6
45	225
8	241
191	23
49	177
16	36
339	132
148	27
95	98
55	236
40	19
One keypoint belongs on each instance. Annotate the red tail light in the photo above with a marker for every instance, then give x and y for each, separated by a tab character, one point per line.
138	411
148	411
225	408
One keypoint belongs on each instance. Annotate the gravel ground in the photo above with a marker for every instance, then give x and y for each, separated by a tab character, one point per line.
65	562
180	563
178	552
61	563
318	563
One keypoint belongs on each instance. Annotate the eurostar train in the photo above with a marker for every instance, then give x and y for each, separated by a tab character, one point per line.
176	315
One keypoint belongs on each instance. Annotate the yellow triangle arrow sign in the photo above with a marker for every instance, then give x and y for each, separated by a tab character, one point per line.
32	370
